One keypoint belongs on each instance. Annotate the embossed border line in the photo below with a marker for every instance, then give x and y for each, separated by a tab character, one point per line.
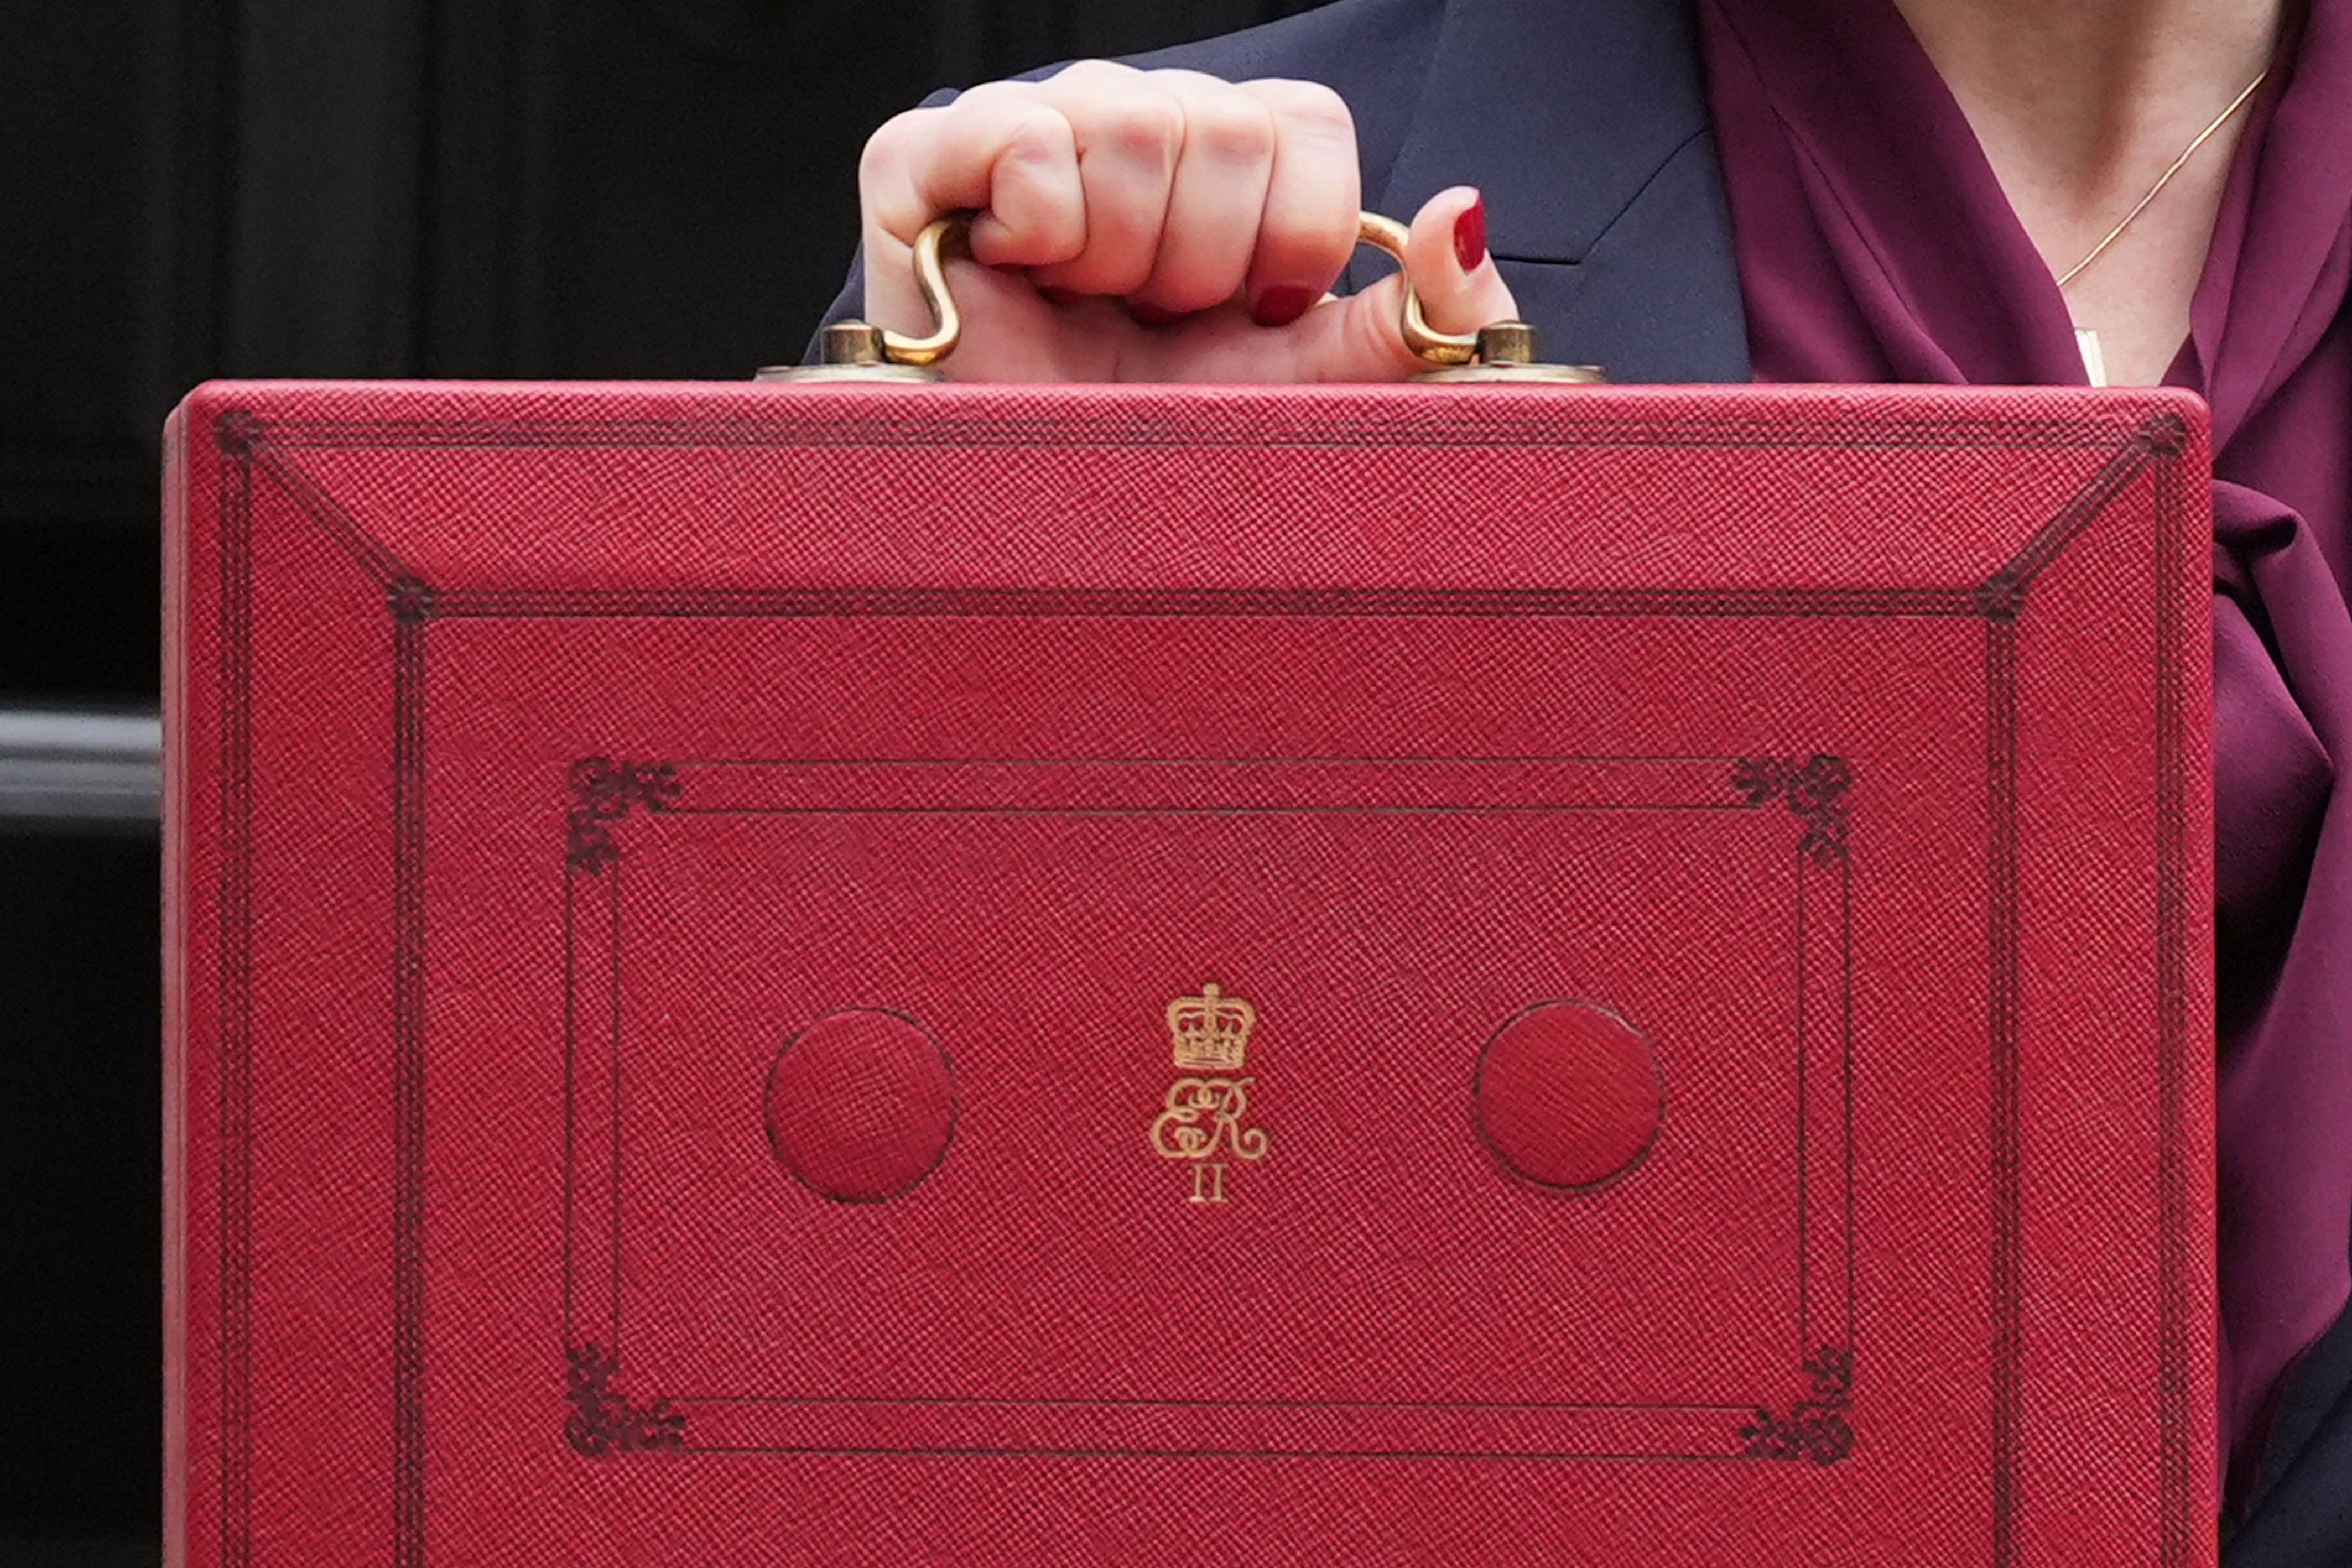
1807	800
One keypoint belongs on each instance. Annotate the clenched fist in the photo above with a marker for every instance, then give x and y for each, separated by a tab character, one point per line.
1157	226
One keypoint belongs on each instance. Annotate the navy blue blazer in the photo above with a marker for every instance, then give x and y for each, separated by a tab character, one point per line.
1583	122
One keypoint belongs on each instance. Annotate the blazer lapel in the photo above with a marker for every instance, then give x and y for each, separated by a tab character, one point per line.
1585	124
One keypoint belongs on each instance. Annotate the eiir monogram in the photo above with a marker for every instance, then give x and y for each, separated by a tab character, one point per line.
1205	1114
1203	1118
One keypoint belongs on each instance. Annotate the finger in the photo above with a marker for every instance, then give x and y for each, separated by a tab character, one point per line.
1362	338
993	150
1445	255
1307	229
1214	200
1128	136
996	149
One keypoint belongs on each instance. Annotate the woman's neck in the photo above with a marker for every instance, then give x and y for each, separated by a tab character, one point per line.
2087	79
2080	105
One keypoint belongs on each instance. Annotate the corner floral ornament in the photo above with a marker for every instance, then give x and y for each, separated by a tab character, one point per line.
1202	1117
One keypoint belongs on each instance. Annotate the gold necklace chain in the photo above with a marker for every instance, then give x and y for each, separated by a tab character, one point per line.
2163	180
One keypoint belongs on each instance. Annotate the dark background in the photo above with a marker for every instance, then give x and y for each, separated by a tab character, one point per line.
200	188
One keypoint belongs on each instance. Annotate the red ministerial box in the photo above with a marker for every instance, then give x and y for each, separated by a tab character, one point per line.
1022	977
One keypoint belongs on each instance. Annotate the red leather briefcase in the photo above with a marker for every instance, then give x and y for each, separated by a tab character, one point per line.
852	974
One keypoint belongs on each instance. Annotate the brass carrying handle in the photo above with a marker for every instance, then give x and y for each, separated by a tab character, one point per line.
859	350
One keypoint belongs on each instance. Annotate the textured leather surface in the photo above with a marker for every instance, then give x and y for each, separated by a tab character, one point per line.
692	914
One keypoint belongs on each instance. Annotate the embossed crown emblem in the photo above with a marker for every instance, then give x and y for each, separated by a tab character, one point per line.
1211	1031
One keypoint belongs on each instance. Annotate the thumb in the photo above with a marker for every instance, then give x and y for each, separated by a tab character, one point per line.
1445	255
1362	338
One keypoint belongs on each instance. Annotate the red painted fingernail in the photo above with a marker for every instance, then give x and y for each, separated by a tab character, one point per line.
1470	235
1153	315
1282	305
1054	296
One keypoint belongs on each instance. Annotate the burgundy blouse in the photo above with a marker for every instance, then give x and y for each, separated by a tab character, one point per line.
1875	244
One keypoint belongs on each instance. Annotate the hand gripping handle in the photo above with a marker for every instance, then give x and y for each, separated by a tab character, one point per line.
859	350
